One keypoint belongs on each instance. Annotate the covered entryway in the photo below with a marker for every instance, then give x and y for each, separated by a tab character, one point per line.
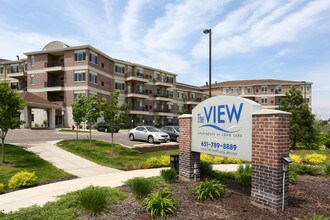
38	112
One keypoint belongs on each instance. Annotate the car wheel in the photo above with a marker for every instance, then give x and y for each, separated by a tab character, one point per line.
131	137
177	139
151	139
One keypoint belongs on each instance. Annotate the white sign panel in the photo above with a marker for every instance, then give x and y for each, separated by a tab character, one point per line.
222	126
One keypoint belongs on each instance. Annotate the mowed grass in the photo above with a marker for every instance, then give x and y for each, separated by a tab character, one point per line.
18	159
101	153
303	153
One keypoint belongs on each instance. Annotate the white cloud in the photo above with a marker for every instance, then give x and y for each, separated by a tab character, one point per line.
282	53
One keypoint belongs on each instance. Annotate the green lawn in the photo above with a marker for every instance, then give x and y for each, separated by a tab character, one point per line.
302	153
18	159
100	153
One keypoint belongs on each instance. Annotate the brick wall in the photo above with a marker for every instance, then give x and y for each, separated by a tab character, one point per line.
270	142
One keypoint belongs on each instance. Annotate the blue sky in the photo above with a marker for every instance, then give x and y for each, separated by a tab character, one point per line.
256	39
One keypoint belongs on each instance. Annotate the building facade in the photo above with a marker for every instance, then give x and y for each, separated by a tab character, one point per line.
50	80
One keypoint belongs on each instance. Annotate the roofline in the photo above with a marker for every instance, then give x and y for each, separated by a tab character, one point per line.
13	61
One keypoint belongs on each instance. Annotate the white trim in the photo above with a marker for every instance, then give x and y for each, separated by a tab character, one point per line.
80	51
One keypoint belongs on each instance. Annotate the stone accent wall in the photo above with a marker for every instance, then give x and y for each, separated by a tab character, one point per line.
270	142
187	158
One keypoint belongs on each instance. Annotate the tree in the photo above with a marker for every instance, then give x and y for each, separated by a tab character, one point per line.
113	114
302	121
79	111
11	103
92	114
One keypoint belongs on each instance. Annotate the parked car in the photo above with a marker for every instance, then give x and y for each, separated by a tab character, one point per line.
173	131
148	133
105	128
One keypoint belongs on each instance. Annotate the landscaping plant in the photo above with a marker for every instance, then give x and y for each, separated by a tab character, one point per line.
208	189
295	158
223	175
206	158
205	169
218	160
315	159
292	177
93	199
160	203
316	217
140	186
22	179
1	187
170	175
244	173
233	160
154	162
327	169
165	160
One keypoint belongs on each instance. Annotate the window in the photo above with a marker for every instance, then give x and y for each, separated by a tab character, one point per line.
307	100
14	69
93	57
93	77
1	69
119	86
32	79
79	77
119	69
264	100
308	88
102	65
33	60
264	88
79	56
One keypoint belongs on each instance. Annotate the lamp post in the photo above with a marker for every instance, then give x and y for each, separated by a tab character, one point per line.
62	113
209	31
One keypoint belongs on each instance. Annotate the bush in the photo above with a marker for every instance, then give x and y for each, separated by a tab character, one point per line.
315	159
295	158
129	166
143	165
316	217
244	173
205	169
310	170
327	139
160	203
165	160
223	175
327	169
22	179
1	187
233	160
292	177
170	175
218	160
206	158
93	199
140	186
208	189
154	162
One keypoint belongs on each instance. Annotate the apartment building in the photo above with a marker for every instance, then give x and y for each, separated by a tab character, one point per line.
50	80
267	92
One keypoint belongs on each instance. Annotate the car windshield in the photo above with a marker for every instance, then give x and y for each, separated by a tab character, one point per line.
176	128
152	129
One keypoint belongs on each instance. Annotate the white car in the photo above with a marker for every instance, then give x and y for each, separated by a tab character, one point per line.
148	133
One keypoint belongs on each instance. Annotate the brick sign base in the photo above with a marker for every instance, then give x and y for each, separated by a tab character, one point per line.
270	142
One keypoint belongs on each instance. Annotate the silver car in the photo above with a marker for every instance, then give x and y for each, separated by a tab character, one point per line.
148	133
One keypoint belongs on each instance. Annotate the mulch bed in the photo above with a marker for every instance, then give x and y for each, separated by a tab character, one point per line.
155	148
311	195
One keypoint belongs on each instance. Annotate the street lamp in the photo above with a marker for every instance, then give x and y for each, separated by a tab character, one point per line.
62	113
209	31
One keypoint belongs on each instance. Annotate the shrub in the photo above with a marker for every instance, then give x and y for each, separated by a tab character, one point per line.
223	175
129	166
327	169
310	170
140	186
143	165
1	187
208	189
327	139
22	179
165	160
292	177
205	169
154	162
170	175
295	158
206	158
244	173
93	199
218	160
315	159
160	203
233	160
316	217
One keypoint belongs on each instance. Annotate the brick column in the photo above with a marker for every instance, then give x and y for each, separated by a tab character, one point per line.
187	158
270	142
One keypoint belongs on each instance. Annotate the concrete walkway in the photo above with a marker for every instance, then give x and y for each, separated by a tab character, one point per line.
67	161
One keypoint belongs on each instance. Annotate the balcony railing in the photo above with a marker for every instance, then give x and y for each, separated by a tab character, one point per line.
53	64
137	108
15	69
163	110
137	91
137	74
165	95
53	83
164	80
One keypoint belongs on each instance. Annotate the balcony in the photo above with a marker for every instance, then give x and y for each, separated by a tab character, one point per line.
54	67
138	110
163	97
16	72
18	86
193	101
163	111
140	77
54	85
137	93
167	82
